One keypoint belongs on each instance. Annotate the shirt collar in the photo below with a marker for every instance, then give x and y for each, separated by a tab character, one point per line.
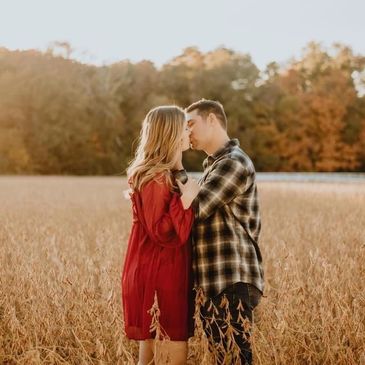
228	146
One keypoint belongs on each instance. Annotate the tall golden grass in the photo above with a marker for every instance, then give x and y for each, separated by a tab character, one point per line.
62	242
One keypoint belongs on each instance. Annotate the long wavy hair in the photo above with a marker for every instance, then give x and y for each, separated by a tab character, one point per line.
159	141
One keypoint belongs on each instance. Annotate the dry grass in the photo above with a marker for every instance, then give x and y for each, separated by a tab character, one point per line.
62	242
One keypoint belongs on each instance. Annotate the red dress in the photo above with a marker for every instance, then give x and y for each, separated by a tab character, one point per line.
157	260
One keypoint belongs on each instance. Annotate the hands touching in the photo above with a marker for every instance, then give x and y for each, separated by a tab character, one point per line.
189	191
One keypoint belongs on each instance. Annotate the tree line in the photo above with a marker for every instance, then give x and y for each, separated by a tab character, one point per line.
60	116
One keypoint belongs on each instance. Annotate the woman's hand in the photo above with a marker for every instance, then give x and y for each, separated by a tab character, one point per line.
189	191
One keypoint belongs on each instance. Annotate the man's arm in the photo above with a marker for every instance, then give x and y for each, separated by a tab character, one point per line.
228	179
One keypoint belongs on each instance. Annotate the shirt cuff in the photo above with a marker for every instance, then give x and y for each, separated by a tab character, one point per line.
180	175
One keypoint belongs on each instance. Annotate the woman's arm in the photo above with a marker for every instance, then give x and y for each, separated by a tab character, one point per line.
167	218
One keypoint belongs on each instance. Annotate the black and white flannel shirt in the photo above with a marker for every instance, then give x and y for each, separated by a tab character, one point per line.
227	222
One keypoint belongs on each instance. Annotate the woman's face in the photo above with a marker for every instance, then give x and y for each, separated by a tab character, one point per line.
185	140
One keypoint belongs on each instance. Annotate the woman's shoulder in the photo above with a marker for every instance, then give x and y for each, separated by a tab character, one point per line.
159	181
160	178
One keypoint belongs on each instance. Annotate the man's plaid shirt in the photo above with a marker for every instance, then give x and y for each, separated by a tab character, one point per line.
227	222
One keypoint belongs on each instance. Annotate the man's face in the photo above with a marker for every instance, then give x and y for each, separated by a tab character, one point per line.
200	131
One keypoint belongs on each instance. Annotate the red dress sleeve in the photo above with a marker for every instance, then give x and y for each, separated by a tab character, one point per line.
166	220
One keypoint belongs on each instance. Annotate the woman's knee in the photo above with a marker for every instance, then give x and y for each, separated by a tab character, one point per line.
146	353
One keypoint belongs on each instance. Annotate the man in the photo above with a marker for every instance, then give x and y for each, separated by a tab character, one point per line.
226	257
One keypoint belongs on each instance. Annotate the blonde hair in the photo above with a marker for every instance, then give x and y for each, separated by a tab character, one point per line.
159	141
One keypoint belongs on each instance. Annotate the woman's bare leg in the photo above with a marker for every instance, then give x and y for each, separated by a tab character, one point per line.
146	352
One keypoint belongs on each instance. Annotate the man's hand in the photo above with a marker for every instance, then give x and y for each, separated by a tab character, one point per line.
189	191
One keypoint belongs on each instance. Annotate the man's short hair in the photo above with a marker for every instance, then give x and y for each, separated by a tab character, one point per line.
205	107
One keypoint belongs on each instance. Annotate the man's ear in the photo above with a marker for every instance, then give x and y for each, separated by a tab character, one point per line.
211	118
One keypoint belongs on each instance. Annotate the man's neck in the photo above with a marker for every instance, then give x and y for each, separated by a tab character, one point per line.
216	145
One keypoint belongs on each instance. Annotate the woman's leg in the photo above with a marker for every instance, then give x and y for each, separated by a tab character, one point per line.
146	352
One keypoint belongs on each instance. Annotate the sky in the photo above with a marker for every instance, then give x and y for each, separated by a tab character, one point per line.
106	31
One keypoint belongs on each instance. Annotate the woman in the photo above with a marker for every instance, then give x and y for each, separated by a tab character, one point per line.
157	258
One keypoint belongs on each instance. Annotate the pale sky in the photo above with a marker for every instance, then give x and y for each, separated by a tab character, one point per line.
105	31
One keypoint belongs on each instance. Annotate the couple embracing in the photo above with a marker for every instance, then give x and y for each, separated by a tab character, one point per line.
190	236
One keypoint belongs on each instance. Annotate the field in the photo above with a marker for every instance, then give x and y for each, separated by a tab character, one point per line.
62	241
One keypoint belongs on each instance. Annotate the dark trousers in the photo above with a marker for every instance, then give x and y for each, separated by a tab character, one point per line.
217	321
